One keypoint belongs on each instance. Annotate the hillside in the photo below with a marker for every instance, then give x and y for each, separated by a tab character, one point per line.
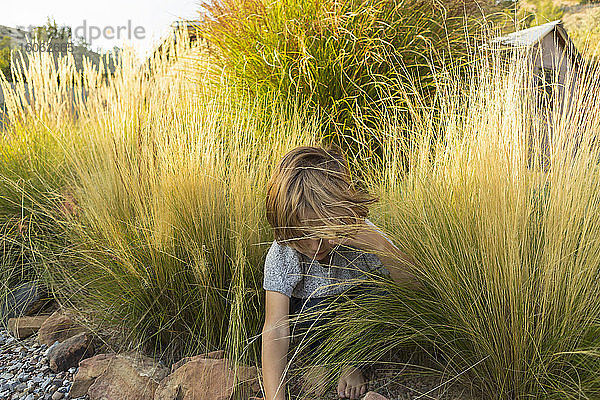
582	21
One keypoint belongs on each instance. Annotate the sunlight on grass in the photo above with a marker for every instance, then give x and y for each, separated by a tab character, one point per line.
506	236
144	197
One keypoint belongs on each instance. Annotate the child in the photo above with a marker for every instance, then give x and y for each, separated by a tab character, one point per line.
323	242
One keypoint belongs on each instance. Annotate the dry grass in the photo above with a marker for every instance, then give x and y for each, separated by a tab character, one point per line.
163	242
506	236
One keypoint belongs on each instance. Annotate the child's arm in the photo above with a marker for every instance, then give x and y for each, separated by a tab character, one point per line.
275	344
371	240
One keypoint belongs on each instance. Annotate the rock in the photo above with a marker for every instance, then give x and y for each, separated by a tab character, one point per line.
89	370
210	379
23	327
374	396
48	350
22	301
67	354
126	377
58	327
57	395
213	354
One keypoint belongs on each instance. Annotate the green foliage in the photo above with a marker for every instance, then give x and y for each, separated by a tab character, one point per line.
5	55
538	12
31	171
341	59
51	32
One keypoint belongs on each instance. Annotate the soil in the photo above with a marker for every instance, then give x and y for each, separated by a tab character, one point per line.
394	379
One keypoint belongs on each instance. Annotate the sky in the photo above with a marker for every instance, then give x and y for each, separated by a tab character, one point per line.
138	23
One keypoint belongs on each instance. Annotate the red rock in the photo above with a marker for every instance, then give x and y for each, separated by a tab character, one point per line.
374	396
126	377
67	354
58	327
208	379
89	370
218	354
24	327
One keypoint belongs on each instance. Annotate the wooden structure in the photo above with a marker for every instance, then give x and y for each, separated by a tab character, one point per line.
554	58
555	67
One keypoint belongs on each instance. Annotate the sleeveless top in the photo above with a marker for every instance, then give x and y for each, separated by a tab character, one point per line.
294	274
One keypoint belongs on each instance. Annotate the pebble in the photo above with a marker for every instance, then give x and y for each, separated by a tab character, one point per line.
47	383
25	373
57	396
23	377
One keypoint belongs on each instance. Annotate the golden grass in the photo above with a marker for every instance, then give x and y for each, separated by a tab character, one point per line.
167	170
506	236
164	248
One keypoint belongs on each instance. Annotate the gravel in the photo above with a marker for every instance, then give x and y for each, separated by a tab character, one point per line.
25	374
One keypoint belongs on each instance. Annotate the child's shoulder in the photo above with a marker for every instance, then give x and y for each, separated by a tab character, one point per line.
282	270
279	254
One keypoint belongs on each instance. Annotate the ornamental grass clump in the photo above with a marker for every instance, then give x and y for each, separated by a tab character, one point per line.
163	240
342	59
32	173
500	209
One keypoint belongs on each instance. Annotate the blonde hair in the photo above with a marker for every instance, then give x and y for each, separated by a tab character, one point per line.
311	187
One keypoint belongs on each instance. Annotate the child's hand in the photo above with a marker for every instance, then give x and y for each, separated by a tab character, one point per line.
360	236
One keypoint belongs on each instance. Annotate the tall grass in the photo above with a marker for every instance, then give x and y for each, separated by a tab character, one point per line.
32	166
340	58
505	233
163	237
154	189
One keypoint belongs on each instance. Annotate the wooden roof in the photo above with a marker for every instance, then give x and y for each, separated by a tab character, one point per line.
527	38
